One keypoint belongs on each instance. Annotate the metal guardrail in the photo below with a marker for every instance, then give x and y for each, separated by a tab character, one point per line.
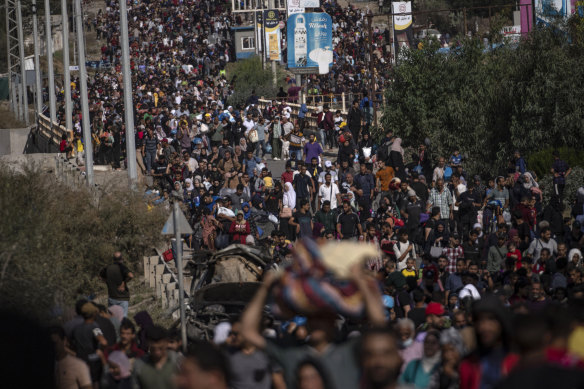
53	132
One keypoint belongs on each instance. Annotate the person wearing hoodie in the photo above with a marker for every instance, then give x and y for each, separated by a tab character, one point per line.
492	360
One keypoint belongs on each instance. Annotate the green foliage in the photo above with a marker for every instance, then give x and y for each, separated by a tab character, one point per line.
527	97
248	75
55	239
574	181
541	161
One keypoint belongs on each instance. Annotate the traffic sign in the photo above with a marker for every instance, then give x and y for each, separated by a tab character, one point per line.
183	224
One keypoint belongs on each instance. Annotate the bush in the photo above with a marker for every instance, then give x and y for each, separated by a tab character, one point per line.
248	75
541	161
56	239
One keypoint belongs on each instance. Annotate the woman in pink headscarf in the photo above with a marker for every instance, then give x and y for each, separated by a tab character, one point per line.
119	375
396	159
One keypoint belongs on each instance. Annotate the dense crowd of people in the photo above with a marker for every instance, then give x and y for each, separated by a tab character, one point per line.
479	282
179	53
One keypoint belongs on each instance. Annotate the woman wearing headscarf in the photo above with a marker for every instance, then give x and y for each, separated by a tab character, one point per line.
575	257
396	159
243	144
246	208
288	206
119	375
144	321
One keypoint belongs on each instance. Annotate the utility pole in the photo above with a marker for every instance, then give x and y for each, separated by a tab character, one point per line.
128	101
179	265
23	89
371	68
88	146
49	38
66	70
8	59
37	65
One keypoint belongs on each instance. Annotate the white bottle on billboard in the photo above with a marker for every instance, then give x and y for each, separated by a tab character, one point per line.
300	42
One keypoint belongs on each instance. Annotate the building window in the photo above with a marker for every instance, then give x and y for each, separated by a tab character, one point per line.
248	43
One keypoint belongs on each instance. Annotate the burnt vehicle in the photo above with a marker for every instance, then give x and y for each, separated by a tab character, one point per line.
223	283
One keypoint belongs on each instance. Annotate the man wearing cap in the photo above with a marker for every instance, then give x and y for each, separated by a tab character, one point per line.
434	313
117	276
328	168
87	339
412	213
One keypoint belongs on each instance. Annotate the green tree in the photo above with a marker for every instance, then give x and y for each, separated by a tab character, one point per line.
249	75
487	104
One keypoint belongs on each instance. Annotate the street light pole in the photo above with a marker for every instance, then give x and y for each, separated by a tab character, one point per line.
37	65
23	89
88	146
49	38
179	265
66	71
128	102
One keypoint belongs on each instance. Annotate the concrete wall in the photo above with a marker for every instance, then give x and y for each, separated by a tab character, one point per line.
14	141
25	141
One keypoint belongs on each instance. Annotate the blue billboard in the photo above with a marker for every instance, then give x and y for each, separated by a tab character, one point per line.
310	42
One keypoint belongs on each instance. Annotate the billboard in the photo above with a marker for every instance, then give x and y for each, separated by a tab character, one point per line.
273	34
310	42
402	25
547	10
401	22
294	7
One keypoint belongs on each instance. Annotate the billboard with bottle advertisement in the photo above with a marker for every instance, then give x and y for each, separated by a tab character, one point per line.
310	42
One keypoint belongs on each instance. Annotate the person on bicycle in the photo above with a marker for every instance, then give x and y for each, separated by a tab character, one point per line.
496	202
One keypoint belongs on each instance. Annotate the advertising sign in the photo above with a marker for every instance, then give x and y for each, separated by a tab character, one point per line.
294	7
402	22
310	3
272	28
547	10
310	42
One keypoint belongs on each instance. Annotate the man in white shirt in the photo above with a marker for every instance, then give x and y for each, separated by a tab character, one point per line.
248	122
403	250
439	170
329	191
287	126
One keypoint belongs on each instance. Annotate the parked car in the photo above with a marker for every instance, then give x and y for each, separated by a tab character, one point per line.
429	32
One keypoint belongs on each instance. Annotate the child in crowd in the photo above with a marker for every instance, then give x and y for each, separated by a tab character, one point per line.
455	159
514	253
410	270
